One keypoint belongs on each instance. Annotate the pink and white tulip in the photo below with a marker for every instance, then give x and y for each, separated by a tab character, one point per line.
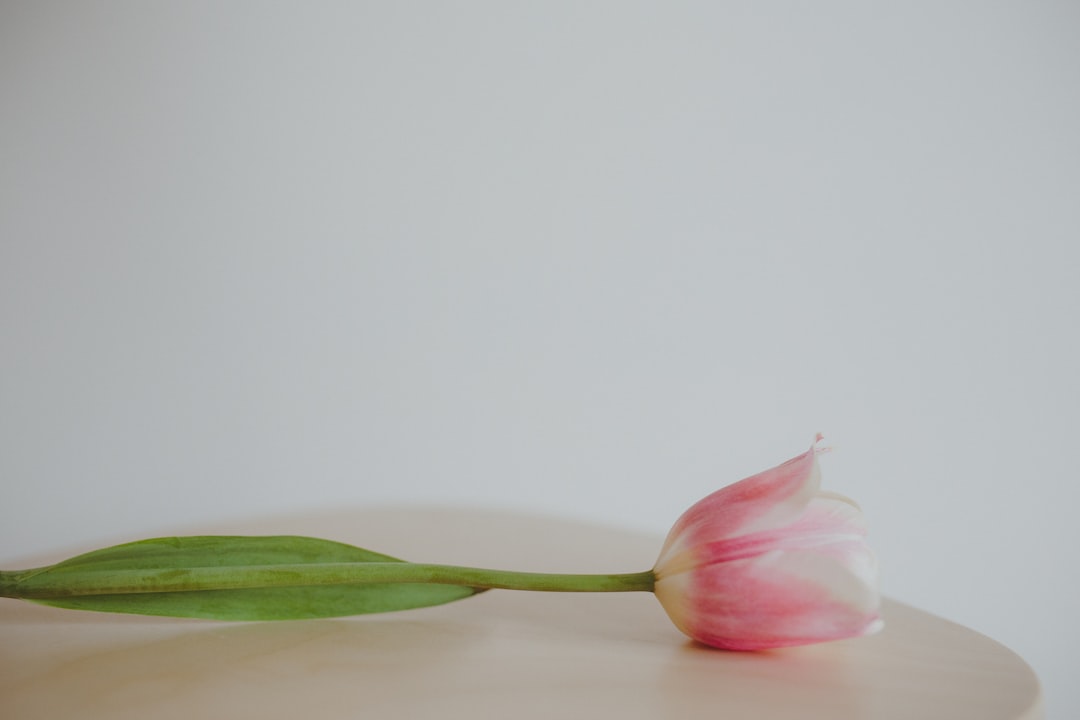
770	561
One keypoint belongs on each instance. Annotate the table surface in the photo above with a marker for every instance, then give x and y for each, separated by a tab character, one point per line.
498	654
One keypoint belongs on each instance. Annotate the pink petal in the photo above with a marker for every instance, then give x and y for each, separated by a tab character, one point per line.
798	536
769	499
778	600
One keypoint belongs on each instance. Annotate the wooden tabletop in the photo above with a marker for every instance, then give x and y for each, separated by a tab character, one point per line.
498	654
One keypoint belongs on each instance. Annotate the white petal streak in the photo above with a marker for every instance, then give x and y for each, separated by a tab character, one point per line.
832	513
849	572
787	510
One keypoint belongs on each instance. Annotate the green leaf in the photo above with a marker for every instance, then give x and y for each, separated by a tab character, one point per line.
182	554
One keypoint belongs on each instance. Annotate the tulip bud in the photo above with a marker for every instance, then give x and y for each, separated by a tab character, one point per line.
770	561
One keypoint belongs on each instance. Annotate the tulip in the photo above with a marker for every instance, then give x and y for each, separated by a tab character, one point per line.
767	562
770	561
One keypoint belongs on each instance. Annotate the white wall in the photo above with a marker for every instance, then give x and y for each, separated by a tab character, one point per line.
592	259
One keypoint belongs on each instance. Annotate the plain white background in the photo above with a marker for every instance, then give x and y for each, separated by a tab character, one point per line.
592	259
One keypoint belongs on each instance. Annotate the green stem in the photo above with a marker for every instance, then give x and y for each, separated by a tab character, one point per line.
39	585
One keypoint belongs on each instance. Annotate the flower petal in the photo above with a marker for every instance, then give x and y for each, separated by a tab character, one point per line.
785	598
769	499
